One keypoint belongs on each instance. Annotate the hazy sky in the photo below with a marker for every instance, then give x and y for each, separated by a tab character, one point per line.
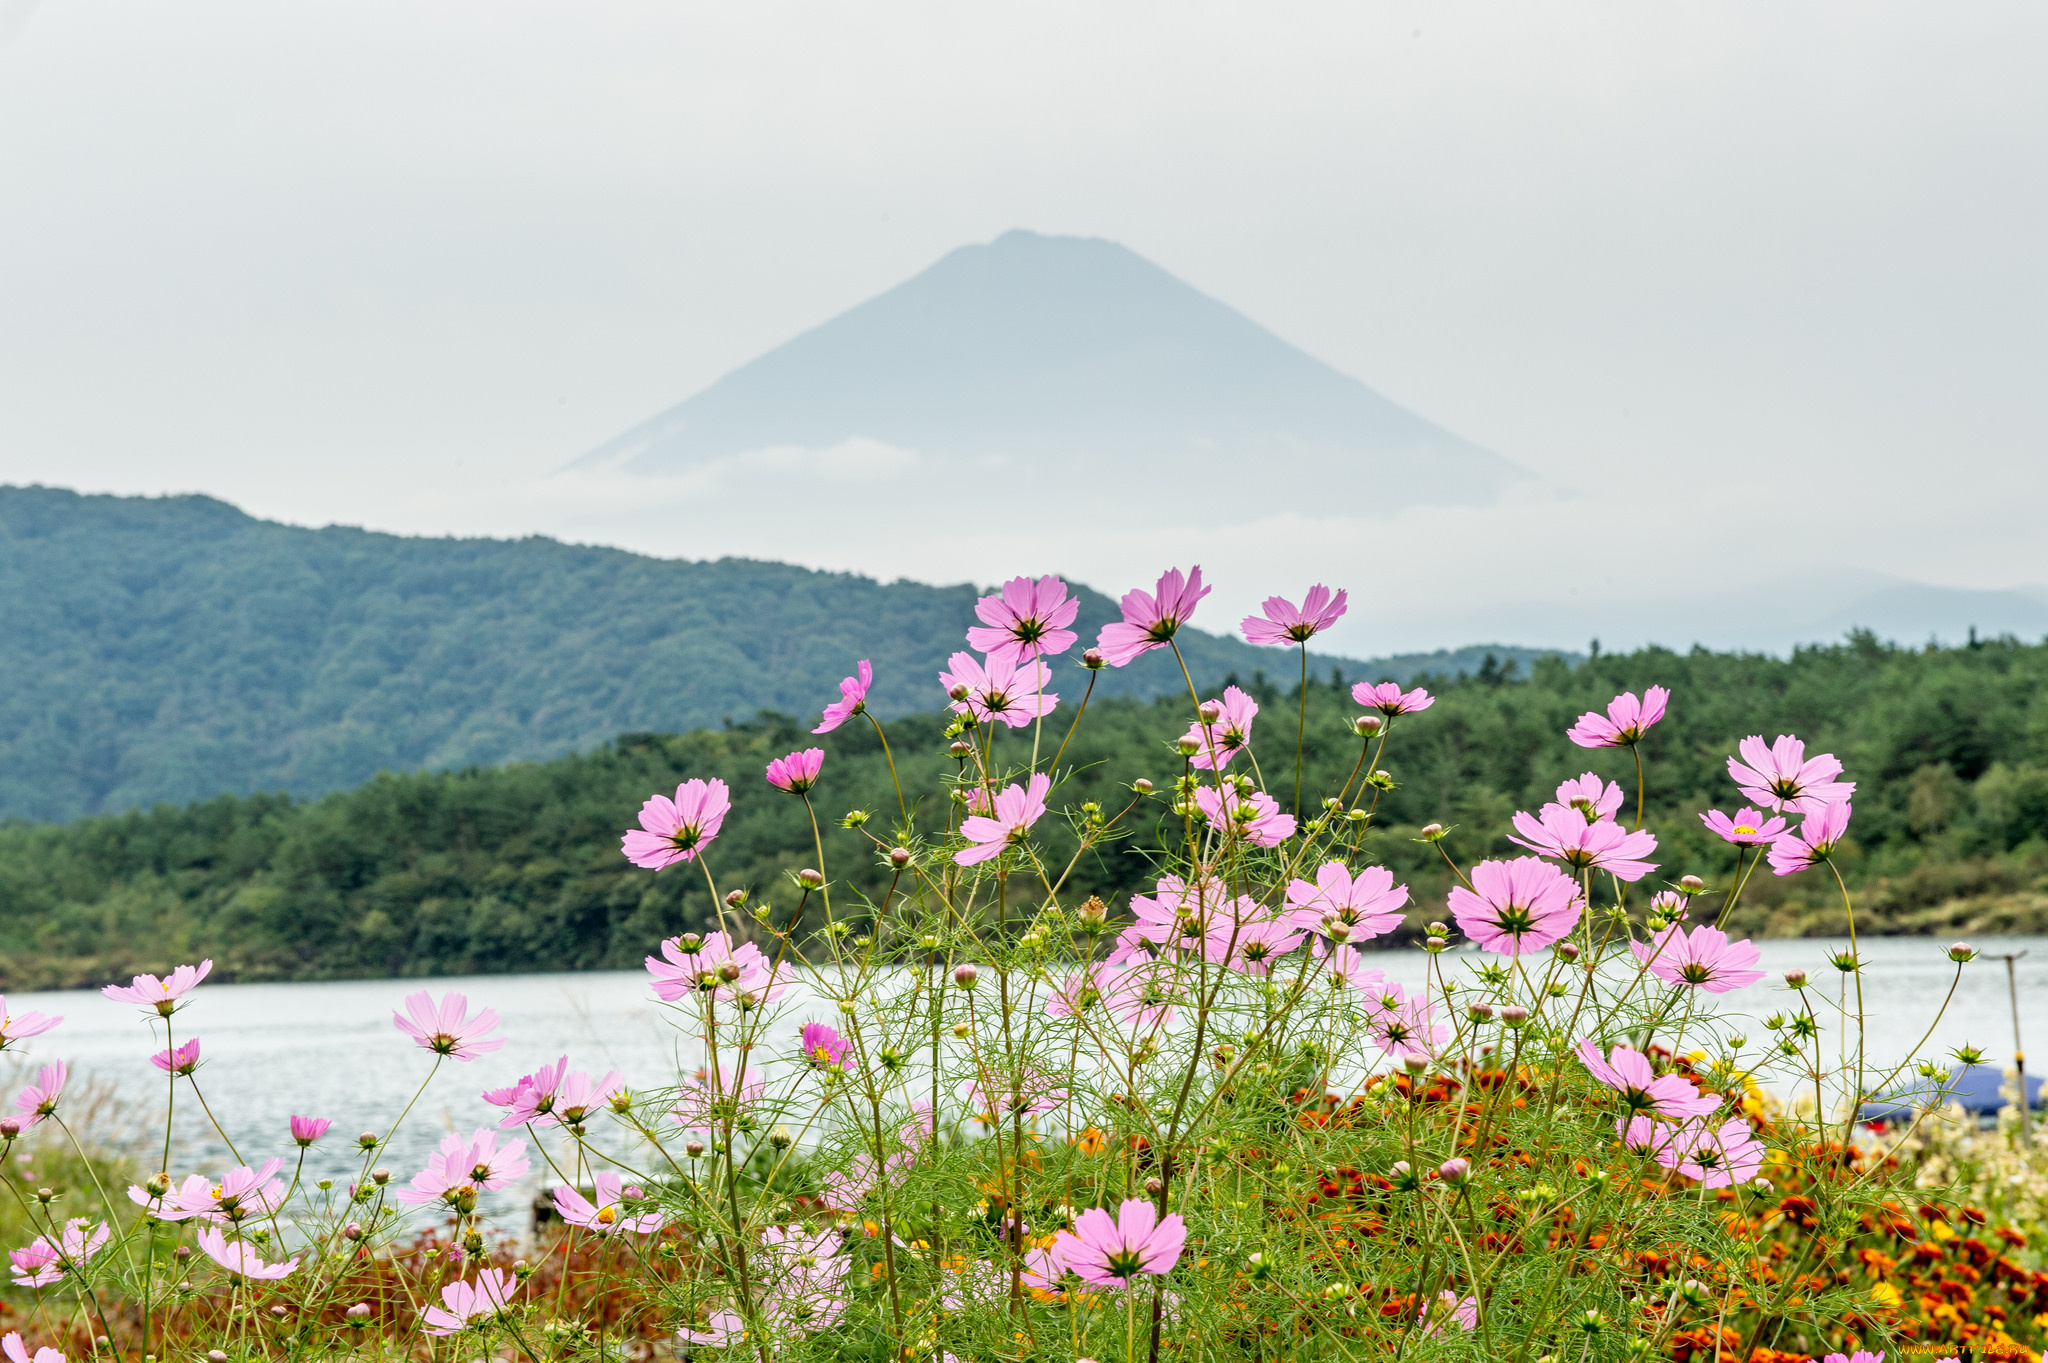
1766	284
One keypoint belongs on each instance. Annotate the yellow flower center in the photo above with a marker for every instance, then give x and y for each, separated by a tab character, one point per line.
1745	828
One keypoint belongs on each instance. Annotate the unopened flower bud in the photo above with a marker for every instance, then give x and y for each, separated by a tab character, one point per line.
367	1141
1336	929
1690	885
1400	1170
781	1137
359	1314
1566	951
212	1355
1763	1185
729	972
1365	726
45	1196
1514	1015
735	899
1189	746
1153	1187
1962	951
959	691
965	975
158	1185
695	1150
1336	1292
810	879
352	1231
279	1311
899	857
961	749
1415	1064
1433	832
1480	1012
1454	1171
1091	658
1094	915
380	1176
1439	929
10	1127
1796	978
1142	786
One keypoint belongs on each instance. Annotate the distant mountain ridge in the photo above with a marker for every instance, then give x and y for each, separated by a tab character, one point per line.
172	649
1016	366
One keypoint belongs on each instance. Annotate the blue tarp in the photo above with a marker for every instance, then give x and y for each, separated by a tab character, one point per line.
1976	1087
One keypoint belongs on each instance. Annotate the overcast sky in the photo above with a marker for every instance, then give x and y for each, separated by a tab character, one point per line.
1764	283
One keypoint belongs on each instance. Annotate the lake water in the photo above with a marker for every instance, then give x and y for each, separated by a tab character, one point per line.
330	1050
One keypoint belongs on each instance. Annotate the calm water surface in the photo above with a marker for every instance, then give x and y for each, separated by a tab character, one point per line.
330	1049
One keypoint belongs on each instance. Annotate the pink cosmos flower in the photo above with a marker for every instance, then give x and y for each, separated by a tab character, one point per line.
1624	724
1643	1091
1590	796
44	1261
721	1327
1256	818
1346	969
1110	1253
1405	1026
853	699
1076	994
1564	835
1151	618
1516	906
1043	1270
1864	1356
1705	960
846	1188
1366	904
1030	1093
21	1028
1716	1156
39	1099
241	1193
531	1093
17	1352
1390	700
702	1107
1027	619
1285	623
604	1215
693	965
465	1303
1749	827
160	994
1449	1309
1142	994
825	1048
479	1164
677	830
797	772
306	1130
1819	833
183	1060
1016	809
445	1028
808	1285
1215	744
1000	691
1177	916
1782	777
579	1096
240	1259
1252	947
1645	1136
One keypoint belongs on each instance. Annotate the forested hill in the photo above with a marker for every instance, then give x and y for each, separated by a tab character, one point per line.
174	648
518	867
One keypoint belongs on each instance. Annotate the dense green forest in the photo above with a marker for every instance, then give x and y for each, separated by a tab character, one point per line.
518	868
173	648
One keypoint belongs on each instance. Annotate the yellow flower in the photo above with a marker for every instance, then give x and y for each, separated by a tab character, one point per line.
1941	1231
1886	1295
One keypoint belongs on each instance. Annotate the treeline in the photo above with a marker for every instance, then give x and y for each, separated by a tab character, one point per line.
517	868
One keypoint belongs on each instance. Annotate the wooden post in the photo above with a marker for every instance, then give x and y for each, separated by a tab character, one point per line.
2019	1056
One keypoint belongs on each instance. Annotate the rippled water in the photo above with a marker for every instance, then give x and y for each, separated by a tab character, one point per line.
330	1049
